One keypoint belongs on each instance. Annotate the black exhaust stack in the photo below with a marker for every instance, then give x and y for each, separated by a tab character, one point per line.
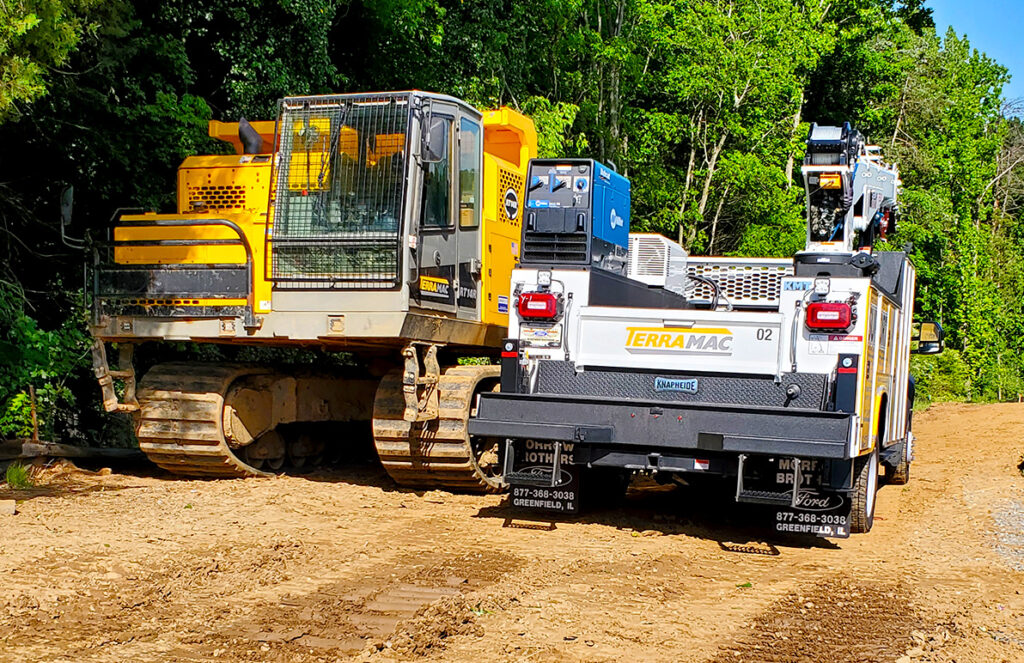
252	142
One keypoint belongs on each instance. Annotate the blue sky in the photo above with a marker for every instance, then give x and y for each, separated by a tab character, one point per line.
993	27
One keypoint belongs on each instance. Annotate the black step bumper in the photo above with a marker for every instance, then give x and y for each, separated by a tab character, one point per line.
660	427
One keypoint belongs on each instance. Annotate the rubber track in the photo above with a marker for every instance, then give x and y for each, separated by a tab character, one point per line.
432	454
181	419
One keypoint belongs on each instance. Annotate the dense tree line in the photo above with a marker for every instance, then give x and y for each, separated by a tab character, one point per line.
704	104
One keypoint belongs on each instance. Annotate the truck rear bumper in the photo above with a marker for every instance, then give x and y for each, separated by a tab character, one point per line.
656	427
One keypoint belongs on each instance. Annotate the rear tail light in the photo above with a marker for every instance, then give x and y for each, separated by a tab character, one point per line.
829	316
538	306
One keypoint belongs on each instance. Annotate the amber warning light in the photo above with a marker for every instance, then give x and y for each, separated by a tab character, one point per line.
830	181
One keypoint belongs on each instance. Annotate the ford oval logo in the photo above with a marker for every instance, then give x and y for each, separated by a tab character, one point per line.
811	501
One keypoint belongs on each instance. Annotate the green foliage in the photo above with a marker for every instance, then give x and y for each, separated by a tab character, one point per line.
777	240
474	361
18	477
41	358
35	36
16	419
942	377
554	122
703	104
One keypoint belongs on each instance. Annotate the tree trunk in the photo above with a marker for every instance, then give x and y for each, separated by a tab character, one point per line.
899	118
599	77
796	125
706	191
686	193
614	98
714	221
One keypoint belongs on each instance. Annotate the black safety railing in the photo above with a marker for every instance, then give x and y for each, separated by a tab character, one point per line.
153	284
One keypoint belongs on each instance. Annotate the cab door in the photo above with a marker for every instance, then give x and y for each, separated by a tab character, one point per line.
469	201
437	250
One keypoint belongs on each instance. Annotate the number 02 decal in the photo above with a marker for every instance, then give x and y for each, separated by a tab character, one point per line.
764	334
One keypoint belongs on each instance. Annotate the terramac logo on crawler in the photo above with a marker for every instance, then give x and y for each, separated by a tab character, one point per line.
434	285
712	340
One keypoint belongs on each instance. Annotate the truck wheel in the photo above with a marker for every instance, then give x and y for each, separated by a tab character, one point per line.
900	474
865	473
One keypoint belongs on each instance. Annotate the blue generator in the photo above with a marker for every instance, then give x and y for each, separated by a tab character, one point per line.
577	213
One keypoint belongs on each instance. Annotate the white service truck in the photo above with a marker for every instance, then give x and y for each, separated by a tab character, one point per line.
788	377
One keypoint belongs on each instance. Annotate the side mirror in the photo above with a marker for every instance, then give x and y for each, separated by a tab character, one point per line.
434	140
67	203
929	337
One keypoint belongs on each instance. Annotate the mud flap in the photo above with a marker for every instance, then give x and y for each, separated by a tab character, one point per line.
542	477
819	513
802	494
813	509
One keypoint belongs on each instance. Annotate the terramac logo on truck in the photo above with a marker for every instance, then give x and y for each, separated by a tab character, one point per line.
711	340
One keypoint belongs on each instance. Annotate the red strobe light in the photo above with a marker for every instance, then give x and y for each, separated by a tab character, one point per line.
829	316
538	306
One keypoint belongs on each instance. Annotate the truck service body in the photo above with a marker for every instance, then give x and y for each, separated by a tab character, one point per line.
789	377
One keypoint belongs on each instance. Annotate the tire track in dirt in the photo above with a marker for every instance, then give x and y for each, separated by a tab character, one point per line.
836	621
407	606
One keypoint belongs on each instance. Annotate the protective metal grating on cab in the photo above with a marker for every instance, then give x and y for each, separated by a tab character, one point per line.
742	282
339	191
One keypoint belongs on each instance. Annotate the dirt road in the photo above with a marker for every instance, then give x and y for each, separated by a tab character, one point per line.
146	567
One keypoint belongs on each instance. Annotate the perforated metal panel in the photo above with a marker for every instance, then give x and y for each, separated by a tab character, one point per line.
217	197
510	180
741	281
340	185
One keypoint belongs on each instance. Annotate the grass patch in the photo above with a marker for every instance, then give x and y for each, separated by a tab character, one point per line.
475	361
17	476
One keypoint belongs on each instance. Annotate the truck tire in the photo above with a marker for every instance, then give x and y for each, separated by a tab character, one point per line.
865	485
899	474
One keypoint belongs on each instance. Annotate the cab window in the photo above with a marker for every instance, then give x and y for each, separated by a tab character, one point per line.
469	173
437	186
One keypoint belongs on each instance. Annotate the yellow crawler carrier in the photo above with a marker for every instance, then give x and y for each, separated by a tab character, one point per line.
384	224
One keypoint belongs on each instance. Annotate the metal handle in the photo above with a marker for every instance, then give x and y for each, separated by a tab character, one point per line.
794	330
